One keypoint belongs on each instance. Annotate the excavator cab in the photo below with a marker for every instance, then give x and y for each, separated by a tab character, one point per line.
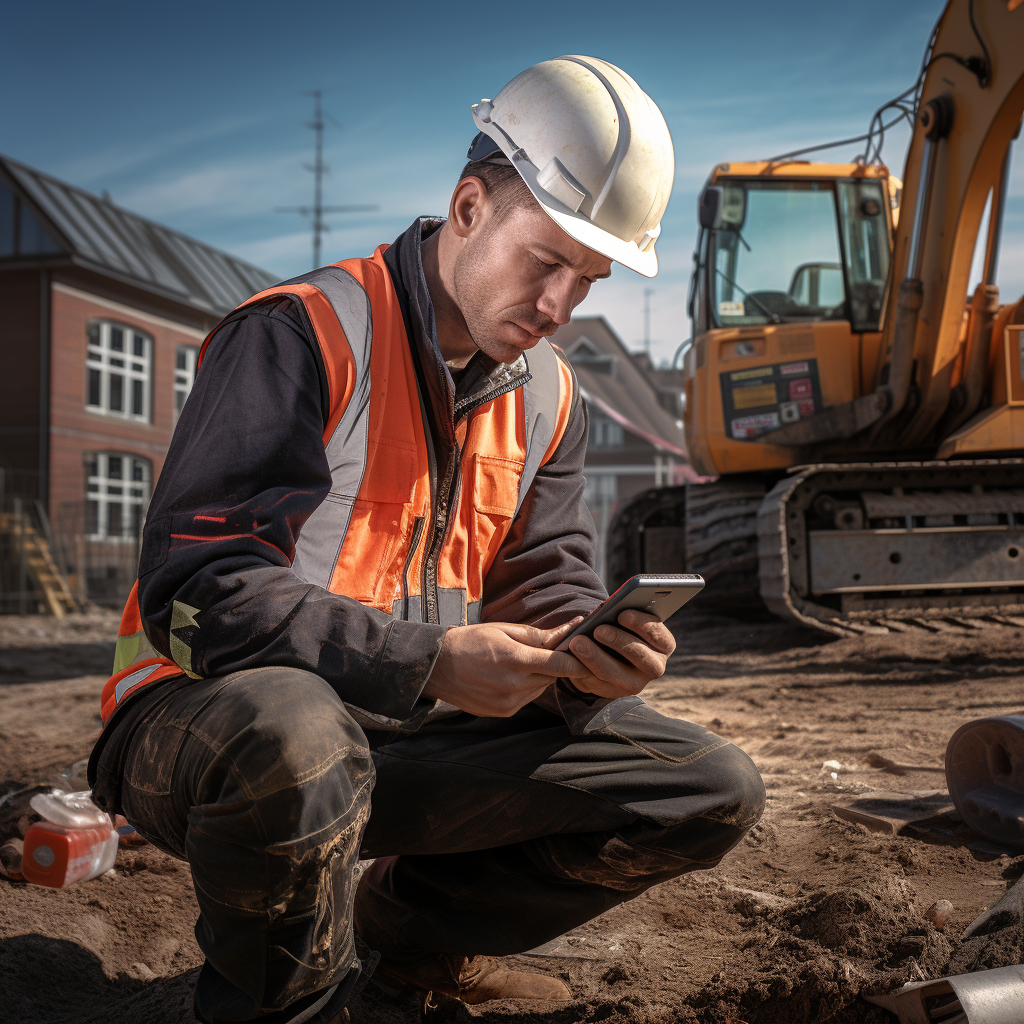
791	260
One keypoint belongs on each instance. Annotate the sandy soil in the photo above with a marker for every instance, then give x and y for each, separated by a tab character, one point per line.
807	914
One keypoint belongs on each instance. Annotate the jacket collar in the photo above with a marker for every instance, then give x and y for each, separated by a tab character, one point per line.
484	378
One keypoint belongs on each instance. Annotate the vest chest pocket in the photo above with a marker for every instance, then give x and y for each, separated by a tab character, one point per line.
494	494
383	514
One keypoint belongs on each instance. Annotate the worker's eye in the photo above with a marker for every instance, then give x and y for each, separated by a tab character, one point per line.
543	264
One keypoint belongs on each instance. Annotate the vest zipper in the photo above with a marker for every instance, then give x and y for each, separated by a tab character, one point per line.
417	532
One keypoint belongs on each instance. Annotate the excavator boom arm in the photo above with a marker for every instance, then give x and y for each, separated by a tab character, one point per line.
972	99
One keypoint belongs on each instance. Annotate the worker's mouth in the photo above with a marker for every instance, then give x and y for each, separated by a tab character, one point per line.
536	333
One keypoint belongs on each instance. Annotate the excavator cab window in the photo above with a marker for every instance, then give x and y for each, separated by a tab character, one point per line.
769	231
797	251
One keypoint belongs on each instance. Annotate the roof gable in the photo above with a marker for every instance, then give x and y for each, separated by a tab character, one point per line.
611	381
96	234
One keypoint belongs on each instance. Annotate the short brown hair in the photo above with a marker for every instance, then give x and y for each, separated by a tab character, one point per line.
503	183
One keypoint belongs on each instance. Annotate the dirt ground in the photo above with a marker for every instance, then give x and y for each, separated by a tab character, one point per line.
806	914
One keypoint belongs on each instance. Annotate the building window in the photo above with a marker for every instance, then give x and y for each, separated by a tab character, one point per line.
605	433
118	370
21	233
184	375
600	489
117	493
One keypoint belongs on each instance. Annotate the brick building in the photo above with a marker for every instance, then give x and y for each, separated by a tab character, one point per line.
104	312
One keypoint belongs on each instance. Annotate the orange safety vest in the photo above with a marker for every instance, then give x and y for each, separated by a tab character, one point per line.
366	539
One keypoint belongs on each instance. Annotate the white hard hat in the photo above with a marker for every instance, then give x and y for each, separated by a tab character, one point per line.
594	150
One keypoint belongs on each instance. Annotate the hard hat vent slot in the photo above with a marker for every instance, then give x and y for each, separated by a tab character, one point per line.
561	185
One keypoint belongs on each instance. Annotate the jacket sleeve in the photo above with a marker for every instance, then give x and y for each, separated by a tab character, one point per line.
244	471
543	573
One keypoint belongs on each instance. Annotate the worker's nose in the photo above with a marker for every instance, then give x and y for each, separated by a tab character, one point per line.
558	300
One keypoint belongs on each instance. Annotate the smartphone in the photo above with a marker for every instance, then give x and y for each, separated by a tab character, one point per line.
662	596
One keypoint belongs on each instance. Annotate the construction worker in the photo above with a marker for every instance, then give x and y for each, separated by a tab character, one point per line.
367	539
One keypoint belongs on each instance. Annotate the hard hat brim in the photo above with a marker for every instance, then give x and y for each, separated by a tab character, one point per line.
577	226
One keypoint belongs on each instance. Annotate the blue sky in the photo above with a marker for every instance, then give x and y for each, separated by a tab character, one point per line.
192	113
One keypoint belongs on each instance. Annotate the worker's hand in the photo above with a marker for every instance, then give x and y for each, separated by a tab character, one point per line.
492	669
642	640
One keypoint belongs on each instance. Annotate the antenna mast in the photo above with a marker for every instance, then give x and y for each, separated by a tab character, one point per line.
315	213
648	292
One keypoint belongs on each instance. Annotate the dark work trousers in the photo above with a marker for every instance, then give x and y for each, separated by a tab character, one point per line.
493	835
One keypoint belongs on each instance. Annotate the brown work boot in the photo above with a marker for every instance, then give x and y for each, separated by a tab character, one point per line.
472	980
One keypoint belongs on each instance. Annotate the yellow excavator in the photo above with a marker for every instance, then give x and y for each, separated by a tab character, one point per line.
861	416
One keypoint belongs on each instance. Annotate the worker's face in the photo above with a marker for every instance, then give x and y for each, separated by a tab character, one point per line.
518	277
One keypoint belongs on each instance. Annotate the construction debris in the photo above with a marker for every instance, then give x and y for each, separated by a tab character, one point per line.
985	773
889	812
33	550
1009	910
898	767
987	997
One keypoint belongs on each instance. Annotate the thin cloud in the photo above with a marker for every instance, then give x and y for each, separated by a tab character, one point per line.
118	159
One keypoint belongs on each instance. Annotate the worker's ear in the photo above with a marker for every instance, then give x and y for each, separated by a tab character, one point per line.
470	207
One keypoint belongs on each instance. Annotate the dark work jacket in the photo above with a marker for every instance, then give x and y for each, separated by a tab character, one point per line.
249	446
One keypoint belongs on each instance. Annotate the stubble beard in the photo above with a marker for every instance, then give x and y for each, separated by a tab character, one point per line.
482	328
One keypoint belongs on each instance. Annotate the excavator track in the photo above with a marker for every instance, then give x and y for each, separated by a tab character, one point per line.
708	528
881	547
721	540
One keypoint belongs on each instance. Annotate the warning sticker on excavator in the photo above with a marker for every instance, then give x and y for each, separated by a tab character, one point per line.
751	426
752	397
768	397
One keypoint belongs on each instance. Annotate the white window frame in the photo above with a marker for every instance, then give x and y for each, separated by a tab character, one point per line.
184	377
130	491
110	363
664	471
600	487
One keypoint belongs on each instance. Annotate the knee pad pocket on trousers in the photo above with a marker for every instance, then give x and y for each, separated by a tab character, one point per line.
285	745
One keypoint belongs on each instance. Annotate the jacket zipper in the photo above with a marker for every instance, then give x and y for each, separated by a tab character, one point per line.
442	510
517	382
443	500
417	531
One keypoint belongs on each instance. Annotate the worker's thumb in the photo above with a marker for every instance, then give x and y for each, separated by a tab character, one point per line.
532	636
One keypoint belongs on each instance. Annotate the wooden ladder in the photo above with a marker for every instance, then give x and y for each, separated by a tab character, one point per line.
40	567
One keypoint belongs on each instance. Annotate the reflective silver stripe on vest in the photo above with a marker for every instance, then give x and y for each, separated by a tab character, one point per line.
321	538
131	679
415	608
540	400
451	606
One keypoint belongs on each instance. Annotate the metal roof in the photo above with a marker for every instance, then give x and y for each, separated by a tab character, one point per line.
104	237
